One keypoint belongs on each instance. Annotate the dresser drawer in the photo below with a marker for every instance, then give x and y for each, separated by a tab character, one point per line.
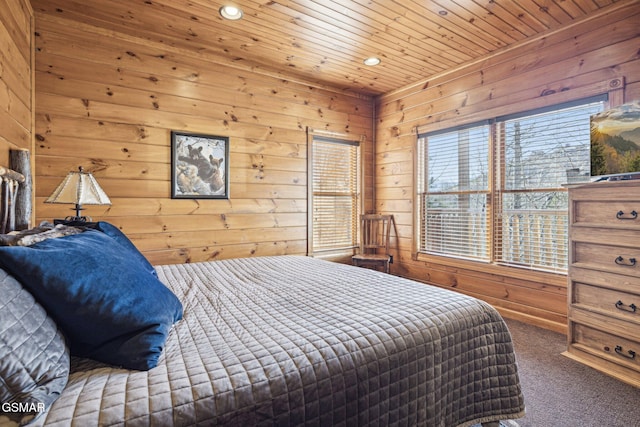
609	258
620	350
623	305
606	213
609	236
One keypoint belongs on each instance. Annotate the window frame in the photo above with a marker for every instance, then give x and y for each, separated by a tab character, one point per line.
496	188
347	140
468	192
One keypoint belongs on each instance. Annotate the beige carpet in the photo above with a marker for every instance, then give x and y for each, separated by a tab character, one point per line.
561	392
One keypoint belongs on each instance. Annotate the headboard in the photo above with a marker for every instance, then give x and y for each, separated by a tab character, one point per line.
11	181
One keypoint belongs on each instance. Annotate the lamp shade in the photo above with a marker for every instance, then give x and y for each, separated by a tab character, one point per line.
79	188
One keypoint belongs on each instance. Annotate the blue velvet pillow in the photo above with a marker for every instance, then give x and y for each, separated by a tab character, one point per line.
115	233
104	300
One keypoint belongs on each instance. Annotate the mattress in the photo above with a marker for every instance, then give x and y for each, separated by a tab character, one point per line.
293	340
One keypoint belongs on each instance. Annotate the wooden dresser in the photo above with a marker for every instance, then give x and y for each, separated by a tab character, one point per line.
604	278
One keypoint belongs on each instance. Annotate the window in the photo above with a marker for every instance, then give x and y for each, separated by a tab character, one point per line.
455	192
335	194
493	191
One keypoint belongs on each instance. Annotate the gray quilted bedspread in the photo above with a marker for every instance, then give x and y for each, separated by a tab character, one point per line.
298	341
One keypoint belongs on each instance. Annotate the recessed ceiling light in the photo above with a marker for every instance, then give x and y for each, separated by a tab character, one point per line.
371	61
232	13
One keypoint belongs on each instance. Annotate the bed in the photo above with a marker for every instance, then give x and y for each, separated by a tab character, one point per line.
282	340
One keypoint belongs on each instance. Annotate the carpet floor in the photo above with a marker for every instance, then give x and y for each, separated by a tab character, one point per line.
560	392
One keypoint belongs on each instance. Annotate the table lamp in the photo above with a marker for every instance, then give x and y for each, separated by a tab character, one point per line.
79	188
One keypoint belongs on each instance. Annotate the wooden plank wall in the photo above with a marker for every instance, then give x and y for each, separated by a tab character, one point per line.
108	102
16	112
572	63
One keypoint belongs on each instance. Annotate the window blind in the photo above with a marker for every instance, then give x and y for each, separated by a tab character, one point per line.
538	153
335	203
454	192
495	191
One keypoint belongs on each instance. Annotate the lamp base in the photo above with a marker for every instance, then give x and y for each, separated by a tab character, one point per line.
73	218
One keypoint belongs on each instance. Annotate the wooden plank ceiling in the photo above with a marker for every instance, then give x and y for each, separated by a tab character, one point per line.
324	42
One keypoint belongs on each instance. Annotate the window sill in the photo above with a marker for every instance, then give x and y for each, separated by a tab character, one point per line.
549	278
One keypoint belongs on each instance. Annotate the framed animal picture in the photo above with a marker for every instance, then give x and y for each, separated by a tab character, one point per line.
199	166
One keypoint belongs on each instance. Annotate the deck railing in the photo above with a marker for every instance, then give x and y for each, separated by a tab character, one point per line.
522	237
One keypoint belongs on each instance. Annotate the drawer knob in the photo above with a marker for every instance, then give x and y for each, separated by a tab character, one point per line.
629	354
622	215
622	306
621	261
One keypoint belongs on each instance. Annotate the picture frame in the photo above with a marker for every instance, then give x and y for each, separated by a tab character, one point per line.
199	166
615	142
